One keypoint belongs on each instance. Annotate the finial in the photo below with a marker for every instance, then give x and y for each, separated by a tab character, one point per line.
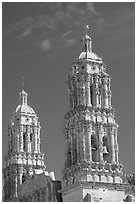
86	26
22	81
87	42
23	94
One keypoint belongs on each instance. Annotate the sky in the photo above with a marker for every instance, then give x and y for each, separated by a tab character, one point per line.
41	41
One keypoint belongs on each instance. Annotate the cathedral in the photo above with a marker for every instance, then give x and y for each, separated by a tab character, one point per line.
92	171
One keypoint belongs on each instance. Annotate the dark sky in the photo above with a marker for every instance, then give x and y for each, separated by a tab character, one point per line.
41	41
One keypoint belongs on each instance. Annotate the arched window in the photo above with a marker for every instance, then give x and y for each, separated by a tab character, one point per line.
94	148
30	137
105	141
105	149
93	142
23	178
92	95
24	141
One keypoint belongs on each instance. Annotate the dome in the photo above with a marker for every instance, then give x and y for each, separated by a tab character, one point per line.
24	109
89	55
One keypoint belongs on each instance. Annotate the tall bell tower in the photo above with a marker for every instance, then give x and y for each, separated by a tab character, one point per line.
92	166
24	152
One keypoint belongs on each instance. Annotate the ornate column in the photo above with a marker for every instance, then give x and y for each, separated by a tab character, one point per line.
28	138
20	175
78	94
74	145
109	93
96	91
78	143
71	146
9	139
38	134
21	138
92	91
116	146
88	103
15	178
89	151
82	94
101	146
112	147
66	149
82	143
17	139
105	98
109	98
69	151
35	140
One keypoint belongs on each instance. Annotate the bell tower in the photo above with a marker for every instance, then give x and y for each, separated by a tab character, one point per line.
91	165
24	152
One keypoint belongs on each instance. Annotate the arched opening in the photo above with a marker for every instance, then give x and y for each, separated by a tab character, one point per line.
105	149
91	94
30	137
24	141
23	178
94	148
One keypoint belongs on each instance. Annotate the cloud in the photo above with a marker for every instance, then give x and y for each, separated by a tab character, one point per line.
26	32
51	16
91	8
45	45
66	33
70	42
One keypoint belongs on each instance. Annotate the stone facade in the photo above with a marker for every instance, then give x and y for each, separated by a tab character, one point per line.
25	174
92	171
91	132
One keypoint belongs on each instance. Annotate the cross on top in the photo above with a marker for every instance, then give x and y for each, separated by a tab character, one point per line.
22	81
86	27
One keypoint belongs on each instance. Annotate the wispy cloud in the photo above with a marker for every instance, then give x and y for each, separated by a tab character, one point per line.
61	18
118	35
45	45
66	33
70	42
69	14
26	33
91	8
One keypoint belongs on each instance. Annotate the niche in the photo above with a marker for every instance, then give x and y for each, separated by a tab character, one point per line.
23	178
24	141
30	137
94	148
91	94
105	149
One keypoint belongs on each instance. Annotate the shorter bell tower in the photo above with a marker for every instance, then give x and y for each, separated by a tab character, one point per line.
24	151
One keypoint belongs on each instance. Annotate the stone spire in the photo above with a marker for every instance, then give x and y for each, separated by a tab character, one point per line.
23	98
87	43
24	151
91	129
86	40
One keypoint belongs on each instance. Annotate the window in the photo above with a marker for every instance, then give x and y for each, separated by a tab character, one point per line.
24	141
23	178
91	94
105	150
104	141
93	145
94	148
30	137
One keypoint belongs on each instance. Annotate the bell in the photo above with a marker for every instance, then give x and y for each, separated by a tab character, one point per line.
105	150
